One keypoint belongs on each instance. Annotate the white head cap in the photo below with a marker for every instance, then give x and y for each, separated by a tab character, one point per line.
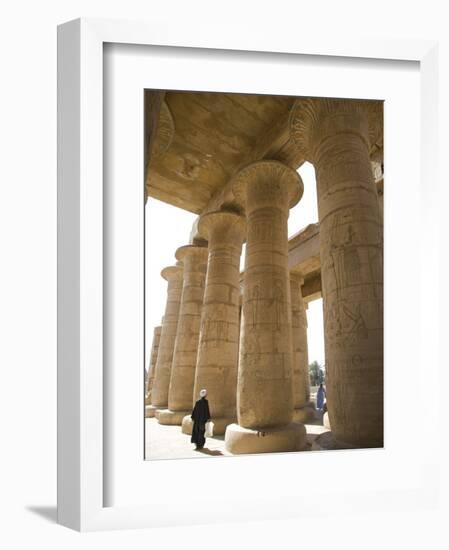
203	393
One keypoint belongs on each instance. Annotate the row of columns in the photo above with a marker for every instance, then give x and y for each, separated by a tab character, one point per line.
152	366
255	370
159	396
182	376
250	394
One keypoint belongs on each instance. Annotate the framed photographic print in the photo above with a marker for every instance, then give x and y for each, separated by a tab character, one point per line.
231	307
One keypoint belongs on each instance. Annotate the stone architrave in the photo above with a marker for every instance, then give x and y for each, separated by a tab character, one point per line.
336	135
194	260
301	411
149	412
216	369
159	395
159	129
267	190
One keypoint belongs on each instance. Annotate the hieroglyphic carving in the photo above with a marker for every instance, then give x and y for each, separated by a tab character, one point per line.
301	390
165	132
182	374
273	183
267	189
217	358
173	275
336	135
254	301
278	304
313	118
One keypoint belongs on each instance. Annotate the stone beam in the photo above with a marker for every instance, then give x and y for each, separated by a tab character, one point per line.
304	250
276	144
311	289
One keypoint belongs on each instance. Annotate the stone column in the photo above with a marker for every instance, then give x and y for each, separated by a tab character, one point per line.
310	403
149	412
336	135
301	411
267	190
194	259
159	397
216	369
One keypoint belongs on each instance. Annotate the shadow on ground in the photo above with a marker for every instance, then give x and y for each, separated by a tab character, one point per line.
47	512
206	451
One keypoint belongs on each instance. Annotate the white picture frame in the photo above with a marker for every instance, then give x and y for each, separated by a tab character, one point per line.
82	490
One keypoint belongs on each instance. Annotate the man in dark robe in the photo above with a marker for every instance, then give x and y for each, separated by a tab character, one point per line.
200	415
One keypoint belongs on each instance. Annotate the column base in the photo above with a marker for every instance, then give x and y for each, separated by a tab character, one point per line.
158	411
327	442
170	418
220	425
150	411
304	415
239	440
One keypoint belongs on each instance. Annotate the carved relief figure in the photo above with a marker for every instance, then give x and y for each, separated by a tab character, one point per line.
255	296
358	327
277	303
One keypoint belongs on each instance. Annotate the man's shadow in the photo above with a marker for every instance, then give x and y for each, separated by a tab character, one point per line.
209	452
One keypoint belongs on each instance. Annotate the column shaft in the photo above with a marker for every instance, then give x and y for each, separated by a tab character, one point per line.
218	346
300	352
161	382
265	392
180	394
351	265
152	365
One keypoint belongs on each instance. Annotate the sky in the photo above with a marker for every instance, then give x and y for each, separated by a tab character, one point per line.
167	228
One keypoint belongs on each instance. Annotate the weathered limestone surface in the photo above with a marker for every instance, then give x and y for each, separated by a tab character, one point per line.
159	397
340	258
336	135
215	135
159	128
300	358
194	259
217	362
266	189
240	440
309	403
149	412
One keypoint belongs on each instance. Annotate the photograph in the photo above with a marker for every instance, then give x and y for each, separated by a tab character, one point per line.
263	274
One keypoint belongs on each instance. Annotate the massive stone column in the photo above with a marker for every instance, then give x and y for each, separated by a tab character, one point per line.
194	259
151	370
266	189
310	403
301	411
216	369
335	135
159	397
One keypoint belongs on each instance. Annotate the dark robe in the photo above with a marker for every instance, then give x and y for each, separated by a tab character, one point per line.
200	415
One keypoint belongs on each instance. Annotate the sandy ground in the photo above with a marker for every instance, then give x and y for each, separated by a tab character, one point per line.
162	442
